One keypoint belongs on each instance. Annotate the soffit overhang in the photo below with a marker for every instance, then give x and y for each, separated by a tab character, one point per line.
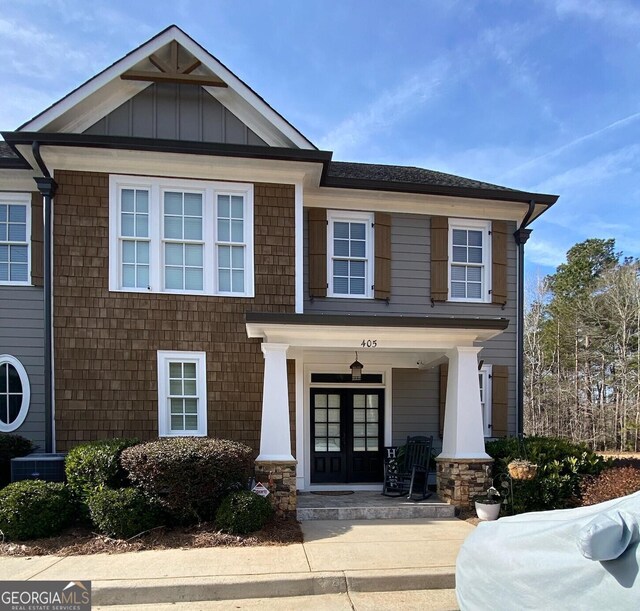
391	333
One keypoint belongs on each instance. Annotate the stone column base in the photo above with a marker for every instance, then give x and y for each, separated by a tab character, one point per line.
460	479
280	479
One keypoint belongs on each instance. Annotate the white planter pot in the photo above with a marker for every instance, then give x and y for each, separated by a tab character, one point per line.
487	511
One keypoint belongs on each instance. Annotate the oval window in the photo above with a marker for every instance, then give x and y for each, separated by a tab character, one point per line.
14	393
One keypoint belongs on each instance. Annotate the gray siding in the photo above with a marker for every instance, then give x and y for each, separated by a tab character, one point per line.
175	112
22	336
415	404
411	287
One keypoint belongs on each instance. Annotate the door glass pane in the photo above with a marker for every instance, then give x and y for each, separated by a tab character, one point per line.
334	415
372	415
358	415
321	415
359	445
321	430
334	400
333	444
372	445
372	430
358	400
334	430
372	400
321	444
358	430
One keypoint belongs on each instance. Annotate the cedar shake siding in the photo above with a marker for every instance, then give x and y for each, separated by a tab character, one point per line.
106	342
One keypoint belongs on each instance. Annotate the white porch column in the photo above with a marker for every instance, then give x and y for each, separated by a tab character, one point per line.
275	434
463	430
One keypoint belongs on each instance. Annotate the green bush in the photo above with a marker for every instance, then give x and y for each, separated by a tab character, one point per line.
123	512
188	476
11	446
562	465
34	508
243	512
95	465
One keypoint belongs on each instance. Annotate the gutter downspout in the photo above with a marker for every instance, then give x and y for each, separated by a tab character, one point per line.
47	187
521	236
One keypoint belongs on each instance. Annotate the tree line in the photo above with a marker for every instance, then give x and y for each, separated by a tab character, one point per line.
582	349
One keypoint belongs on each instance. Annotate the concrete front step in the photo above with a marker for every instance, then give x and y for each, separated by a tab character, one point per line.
369	506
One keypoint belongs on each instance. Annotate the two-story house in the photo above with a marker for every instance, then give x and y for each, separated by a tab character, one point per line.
178	259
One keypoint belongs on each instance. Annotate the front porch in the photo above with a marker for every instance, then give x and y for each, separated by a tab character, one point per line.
340	426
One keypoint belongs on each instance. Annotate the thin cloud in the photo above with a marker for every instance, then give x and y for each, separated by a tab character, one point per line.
386	110
595	171
613	12
544	252
565	147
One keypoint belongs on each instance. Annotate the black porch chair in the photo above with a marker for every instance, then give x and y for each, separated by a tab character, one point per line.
407	473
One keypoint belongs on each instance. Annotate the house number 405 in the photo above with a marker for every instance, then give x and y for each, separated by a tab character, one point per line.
369	343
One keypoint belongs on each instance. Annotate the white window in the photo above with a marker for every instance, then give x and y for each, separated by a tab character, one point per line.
15	233
469	260
350	254
180	236
15	393
182	394
484	377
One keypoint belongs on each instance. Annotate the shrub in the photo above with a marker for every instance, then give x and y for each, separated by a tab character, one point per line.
188	476
610	484
11	446
96	464
562	465
243	512
123	512
34	508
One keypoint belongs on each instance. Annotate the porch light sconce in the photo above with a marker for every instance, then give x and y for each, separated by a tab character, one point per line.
356	370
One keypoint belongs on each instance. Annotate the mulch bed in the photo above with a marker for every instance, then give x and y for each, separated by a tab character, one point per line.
81	541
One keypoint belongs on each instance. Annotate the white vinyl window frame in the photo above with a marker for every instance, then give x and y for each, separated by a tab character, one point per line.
486	392
18	199
345	216
165	358
156	188
7	359
485	266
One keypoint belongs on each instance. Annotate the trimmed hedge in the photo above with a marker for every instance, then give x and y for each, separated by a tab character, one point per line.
122	513
562	465
96	464
33	508
188	476
243	512
11	446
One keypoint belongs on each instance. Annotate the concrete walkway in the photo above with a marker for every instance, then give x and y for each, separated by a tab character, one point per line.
336	558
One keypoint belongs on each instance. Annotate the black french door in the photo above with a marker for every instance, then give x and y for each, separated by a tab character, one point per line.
347	435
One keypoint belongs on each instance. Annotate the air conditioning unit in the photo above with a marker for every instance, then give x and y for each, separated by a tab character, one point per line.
49	467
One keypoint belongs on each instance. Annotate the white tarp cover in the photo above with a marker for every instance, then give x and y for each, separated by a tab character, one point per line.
567	559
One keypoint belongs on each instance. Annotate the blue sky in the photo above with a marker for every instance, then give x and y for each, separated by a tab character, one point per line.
541	95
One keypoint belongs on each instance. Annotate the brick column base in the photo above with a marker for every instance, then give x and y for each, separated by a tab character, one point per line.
460	479
280	479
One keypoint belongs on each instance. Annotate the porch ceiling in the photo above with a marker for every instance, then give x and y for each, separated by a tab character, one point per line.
391	333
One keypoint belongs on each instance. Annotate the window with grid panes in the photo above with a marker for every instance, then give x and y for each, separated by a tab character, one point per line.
14	238
326	414
15	393
180	236
351	265
182	393
468	260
